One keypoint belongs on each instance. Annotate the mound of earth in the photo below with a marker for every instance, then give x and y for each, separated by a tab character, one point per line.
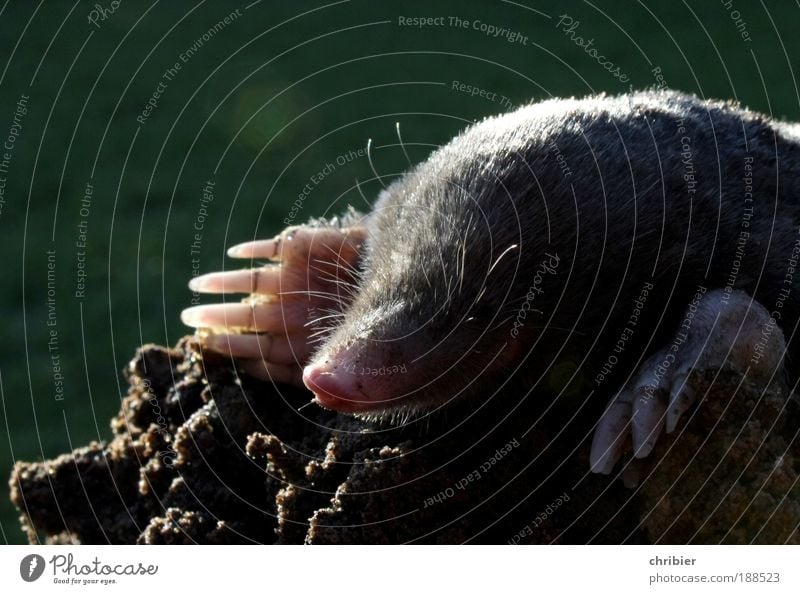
200	454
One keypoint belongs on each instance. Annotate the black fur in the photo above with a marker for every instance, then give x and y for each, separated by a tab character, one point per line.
606	185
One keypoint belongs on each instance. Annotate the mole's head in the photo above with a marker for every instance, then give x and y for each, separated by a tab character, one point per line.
405	345
433	313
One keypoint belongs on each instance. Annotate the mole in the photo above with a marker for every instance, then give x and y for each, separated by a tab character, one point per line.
640	239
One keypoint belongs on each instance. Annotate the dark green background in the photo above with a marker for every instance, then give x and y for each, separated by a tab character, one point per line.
271	99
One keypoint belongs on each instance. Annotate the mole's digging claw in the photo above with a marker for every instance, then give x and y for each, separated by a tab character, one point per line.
312	263
720	330
265	280
258	317
611	434
304	244
647	421
682	396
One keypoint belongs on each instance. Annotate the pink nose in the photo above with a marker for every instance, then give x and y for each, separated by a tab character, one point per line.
336	390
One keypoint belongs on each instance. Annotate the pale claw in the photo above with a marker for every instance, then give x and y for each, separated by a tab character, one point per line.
720	330
305	244
647	421
262	248
610	435
682	396
265	280
270	332
260	317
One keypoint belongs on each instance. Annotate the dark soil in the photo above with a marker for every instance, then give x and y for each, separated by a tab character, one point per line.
201	455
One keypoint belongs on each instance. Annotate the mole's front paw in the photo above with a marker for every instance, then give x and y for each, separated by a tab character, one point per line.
270	332
719	330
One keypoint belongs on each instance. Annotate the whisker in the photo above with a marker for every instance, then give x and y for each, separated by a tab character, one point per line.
343	265
507	250
360	191
481	294
402	146
371	164
353	271
317	320
308	293
334	297
340	261
348	289
331	277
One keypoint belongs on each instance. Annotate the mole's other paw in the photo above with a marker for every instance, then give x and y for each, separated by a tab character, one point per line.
719	330
311	277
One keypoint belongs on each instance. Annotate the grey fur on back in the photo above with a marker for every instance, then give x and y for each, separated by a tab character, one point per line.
642	187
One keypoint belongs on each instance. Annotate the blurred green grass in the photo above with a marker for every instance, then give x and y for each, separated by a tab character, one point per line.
261	107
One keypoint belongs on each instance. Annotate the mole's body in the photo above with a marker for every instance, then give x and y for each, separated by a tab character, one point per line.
577	230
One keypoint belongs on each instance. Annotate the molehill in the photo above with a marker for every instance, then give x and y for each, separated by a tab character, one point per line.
201	455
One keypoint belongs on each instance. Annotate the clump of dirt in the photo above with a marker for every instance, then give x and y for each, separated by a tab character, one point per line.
731	476
200	454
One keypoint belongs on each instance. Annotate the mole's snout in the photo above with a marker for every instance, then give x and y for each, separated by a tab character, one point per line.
336	389
349	382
